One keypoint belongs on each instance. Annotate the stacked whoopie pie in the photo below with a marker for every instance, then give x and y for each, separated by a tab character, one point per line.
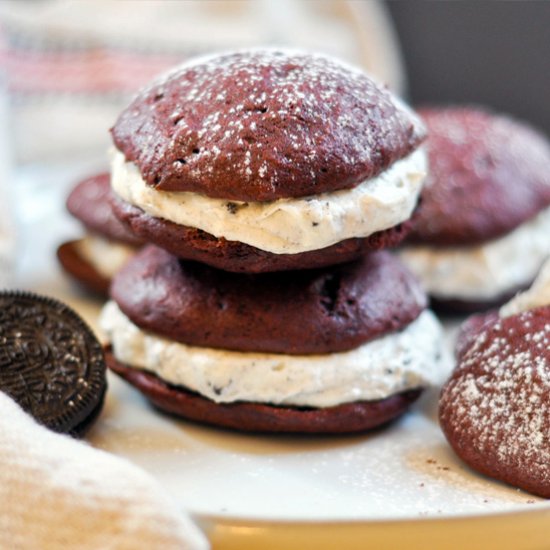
108	244
482	233
269	181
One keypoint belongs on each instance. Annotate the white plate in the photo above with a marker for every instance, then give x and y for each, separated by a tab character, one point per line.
245	487
406	471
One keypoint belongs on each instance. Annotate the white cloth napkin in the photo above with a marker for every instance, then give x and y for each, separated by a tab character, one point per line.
58	493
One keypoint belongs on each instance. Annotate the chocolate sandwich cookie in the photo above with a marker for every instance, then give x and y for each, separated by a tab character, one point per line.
326	350
108	244
495	409
266	160
50	362
482	231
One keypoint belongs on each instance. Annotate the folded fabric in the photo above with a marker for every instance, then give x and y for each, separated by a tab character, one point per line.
56	492
70	67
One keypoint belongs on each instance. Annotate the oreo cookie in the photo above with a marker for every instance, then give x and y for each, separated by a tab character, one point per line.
50	362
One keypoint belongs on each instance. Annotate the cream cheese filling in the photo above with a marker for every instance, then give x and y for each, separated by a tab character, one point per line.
485	271
537	295
412	358
107	257
285	226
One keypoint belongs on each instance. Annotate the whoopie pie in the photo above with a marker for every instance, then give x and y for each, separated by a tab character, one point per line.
483	229
108	244
267	160
327	350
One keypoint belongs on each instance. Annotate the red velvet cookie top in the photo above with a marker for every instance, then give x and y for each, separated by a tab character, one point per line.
264	124
495	409
488	175
296	312
470	329
89	203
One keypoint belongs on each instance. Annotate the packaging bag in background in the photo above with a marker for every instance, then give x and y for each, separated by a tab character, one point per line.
7	241
7	231
71	66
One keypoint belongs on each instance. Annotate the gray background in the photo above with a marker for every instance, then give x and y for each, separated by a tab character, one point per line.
490	52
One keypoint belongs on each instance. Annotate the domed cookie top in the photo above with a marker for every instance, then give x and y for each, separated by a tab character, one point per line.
488	175
471	328
495	409
260	125
537	295
296	312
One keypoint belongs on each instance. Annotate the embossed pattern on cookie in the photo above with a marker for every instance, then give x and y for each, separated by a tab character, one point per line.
50	361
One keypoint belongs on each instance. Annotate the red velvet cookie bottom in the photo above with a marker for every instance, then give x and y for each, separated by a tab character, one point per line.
257	417
81	270
455	306
194	244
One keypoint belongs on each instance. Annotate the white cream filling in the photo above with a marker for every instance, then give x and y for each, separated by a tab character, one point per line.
285	226
412	358
486	271
537	295
107	257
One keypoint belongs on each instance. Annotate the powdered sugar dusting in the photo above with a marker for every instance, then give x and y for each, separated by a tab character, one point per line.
483	141
264	120
496	407
488	175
